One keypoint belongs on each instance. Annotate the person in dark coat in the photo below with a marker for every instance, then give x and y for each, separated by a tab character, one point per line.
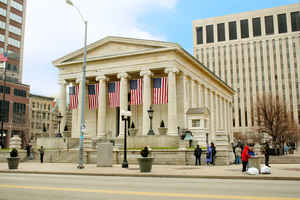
28	148
267	154
197	154
208	156
42	152
245	157
213	152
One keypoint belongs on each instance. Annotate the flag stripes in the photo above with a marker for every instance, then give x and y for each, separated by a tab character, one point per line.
160	90
114	94
93	93
136	92
73	93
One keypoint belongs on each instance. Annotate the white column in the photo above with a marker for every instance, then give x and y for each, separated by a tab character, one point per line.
102	106
193	94
199	88
123	99
212	115
224	110
62	103
186	99
146	99
172	106
216	99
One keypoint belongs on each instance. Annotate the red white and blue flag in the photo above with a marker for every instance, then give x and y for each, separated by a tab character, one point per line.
73	93
3	57
114	94
136	92
93	93
160	90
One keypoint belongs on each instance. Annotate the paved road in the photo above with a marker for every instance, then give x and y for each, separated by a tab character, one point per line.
33	186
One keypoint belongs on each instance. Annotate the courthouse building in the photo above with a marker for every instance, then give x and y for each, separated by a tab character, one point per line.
255	53
134	74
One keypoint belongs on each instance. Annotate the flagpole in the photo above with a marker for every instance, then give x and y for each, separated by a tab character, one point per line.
3	100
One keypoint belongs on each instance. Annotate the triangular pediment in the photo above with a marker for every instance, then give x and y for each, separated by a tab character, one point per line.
114	46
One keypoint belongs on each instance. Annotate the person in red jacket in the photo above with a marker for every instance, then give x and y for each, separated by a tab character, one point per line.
245	157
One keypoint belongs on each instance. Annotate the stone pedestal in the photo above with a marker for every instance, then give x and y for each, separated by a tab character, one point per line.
87	142
182	144
104	155
15	142
255	162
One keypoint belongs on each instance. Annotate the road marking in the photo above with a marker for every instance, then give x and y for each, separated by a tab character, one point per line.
160	194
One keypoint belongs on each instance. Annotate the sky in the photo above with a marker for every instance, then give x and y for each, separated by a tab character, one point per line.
54	28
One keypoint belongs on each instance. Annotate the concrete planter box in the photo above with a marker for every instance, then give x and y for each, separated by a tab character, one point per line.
145	164
13	162
162	131
132	131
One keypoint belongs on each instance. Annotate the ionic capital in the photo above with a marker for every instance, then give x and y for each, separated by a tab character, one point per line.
123	75
146	72
102	78
171	70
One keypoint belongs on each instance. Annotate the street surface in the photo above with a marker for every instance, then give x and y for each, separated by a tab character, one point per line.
33	186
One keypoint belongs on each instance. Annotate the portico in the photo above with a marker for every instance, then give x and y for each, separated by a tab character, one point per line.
189	84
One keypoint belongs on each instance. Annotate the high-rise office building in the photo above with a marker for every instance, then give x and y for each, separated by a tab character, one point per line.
14	96
254	52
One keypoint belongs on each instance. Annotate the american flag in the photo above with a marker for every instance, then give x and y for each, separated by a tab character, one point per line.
93	93
3	57
73	93
114	94
160	90
136	92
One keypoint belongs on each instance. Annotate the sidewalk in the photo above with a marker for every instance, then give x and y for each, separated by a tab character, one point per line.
279	171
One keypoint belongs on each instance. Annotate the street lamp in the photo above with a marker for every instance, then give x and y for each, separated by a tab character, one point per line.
59	117
150	113
82	121
125	117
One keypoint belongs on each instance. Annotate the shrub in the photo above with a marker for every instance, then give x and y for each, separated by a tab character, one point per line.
162	124
14	153
145	152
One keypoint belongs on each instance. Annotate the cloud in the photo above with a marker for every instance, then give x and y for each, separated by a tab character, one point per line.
54	28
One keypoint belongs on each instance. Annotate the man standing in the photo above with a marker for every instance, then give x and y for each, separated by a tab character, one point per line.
197	154
267	154
42	151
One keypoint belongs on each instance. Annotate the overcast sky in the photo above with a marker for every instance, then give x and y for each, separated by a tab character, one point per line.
53	28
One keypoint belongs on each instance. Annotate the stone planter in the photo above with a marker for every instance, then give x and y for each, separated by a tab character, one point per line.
13	162
162	130
145	163
132	131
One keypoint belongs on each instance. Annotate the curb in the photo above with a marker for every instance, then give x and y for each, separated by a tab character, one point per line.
246	177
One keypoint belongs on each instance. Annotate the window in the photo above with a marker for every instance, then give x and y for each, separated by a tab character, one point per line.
295	20
2	38
3	1
19	93
7	89
14	17
14	29
269	25
282	26
221	32
33	104
244	28
199	35
4	111
232	31
209	33
13	42
13	55
256	26
2	24
16	5
19	110
195	122
3	12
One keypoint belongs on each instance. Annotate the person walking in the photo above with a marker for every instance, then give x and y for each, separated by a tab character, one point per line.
267	154
208	156
213	152
197	154
42	151
238	153
245	157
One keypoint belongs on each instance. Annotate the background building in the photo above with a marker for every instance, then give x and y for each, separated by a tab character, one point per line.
12	23
254	52
43	116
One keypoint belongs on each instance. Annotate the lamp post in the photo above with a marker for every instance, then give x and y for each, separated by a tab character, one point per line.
59	117
125	117
82	121
150	113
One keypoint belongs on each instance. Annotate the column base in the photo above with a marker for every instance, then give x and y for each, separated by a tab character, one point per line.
173	133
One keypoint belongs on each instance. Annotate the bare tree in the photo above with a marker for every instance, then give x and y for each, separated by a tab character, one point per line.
272	118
